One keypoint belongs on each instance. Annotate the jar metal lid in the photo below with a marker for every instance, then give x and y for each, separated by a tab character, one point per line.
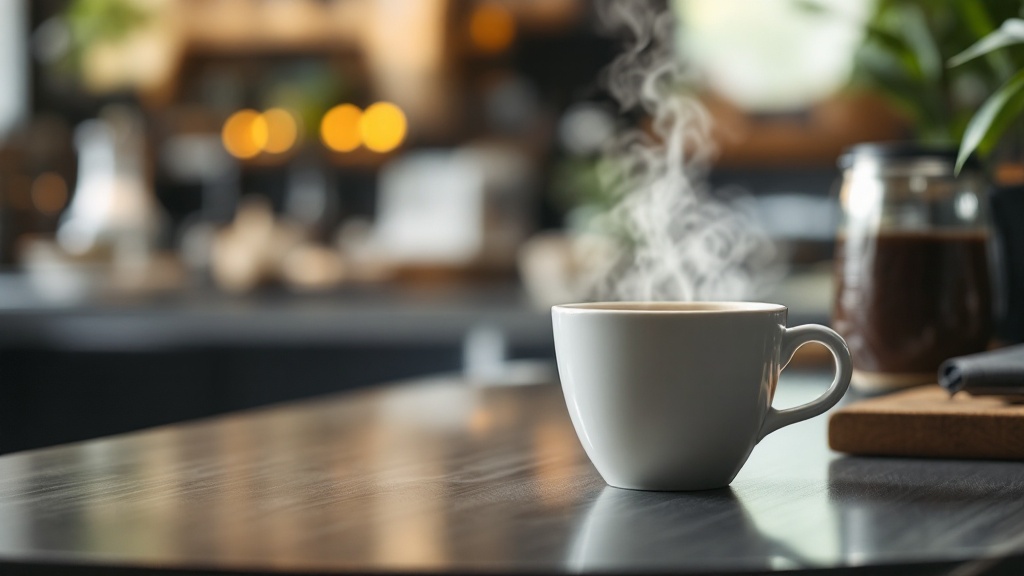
890	153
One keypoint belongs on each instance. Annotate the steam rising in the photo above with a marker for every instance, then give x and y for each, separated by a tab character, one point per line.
684	244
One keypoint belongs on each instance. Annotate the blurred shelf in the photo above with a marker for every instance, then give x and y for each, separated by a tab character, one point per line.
356	315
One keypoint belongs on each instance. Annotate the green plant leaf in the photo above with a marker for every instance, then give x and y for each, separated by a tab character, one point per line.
992	119
920	39
897	49
920	101
978	20
1011	32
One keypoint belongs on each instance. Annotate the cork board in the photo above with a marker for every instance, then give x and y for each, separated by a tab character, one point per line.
926	422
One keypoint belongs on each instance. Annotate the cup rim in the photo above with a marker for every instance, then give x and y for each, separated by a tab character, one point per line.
669	307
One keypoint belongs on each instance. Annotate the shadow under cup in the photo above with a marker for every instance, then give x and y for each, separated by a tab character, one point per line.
674	396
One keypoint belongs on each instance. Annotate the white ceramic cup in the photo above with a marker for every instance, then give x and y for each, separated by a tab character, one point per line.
674	396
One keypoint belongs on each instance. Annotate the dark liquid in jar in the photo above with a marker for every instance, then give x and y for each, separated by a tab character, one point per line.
907	301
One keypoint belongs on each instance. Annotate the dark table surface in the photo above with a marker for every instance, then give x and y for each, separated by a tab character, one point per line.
439	475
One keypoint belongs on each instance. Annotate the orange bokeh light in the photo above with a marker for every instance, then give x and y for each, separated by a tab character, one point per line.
339	128
383	127
491	27
282	130
245	134
49	193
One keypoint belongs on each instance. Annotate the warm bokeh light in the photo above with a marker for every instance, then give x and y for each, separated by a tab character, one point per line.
49	193
339	128
491	27
382	127
282	130
245	134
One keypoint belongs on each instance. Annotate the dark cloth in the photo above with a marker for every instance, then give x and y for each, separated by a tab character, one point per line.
996	373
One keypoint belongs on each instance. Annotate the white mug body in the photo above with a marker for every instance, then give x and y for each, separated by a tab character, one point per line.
674	396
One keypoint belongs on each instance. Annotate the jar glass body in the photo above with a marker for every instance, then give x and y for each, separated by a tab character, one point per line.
913	283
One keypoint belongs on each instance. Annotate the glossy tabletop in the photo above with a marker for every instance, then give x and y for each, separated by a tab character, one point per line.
443	476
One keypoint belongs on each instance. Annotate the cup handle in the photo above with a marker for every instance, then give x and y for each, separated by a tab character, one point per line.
795	338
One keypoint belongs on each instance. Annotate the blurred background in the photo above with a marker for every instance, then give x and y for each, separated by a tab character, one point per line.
207	205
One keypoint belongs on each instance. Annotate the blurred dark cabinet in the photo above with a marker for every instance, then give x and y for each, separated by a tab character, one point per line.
50	397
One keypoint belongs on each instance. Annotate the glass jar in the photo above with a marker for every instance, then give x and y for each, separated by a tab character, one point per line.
912	263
